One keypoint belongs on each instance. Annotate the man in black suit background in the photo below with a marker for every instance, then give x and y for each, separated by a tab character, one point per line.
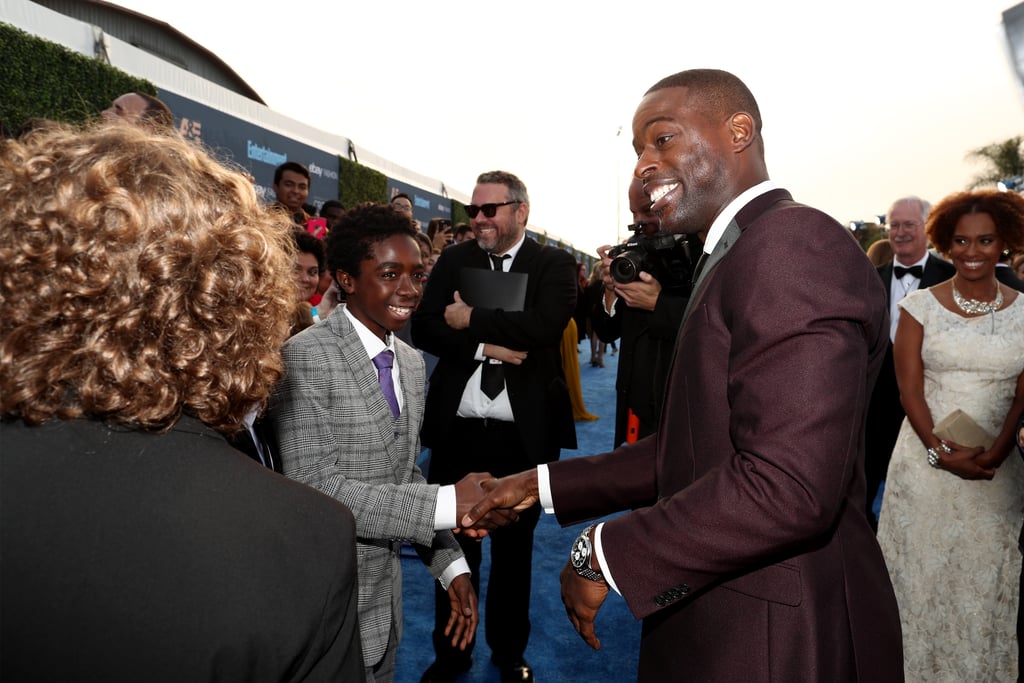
912	268
1005	274
497	401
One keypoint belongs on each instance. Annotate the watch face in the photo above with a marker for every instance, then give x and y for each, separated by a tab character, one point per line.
580	553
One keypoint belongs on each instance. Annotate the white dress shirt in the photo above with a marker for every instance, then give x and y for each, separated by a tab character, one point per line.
474	402
899	288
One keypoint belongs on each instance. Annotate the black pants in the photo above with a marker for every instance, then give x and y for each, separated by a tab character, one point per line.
495	447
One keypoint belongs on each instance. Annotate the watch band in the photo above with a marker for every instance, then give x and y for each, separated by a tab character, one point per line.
581	555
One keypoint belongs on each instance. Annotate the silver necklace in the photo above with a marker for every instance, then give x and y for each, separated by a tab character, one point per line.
975	307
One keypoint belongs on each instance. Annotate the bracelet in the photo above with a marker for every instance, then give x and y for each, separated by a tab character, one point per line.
933	454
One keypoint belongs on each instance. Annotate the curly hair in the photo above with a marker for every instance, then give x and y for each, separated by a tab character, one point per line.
1005	208
351	241
139	280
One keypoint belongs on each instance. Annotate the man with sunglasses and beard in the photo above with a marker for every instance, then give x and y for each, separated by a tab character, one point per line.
498	401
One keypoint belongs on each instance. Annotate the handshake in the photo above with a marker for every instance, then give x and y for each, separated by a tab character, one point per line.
484	503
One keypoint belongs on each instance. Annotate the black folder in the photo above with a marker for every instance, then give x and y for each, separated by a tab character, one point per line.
495	289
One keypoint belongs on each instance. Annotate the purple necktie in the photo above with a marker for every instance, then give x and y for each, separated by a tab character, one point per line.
384	361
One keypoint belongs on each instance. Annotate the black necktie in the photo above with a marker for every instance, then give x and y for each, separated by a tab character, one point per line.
492	378
496	261
492	374
916	271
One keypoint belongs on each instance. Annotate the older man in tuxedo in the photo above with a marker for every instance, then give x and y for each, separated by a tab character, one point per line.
498	401
749	555
912	268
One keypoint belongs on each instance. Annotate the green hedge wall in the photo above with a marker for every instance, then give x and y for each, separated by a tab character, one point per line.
459	214
40	79
357	184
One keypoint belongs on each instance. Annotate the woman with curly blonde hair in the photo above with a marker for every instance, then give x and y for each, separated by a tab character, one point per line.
144	294
141	281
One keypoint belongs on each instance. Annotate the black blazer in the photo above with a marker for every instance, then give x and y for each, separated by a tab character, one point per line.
129	556
886	396
1006	275
647	343
243	441
537	388
885	412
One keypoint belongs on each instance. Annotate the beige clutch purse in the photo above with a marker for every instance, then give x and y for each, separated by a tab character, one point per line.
960	428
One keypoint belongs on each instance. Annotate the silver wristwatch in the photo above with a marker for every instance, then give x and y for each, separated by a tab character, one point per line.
580	557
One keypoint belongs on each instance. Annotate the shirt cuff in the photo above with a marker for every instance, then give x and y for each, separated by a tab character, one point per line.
456	568
480	352
544	489
544	494
445	508
599	552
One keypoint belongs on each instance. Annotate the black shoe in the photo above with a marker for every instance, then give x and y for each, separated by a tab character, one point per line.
517	672
439	673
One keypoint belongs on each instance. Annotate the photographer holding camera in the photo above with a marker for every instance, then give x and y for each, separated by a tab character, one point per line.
647	285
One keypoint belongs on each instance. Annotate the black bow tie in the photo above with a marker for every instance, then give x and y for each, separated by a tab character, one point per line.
916	271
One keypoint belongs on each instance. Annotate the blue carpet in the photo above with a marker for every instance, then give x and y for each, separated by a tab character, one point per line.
555	652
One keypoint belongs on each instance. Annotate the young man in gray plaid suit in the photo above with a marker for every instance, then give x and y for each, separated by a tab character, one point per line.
347	417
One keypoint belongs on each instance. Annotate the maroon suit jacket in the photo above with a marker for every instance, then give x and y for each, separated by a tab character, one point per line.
757	563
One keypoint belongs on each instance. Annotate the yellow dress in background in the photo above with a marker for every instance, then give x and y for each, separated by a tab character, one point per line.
571	368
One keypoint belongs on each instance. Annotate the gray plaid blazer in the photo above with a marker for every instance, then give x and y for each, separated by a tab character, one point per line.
335	432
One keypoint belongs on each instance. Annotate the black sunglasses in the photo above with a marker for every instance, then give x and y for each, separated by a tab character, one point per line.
488	209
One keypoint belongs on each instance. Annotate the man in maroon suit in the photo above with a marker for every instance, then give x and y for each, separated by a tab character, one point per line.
748	554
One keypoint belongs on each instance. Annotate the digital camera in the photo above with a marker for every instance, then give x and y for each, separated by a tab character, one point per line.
650	253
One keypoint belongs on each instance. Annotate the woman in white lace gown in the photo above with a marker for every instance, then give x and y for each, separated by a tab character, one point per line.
952	513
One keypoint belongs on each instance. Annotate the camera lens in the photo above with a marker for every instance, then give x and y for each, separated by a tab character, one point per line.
626	268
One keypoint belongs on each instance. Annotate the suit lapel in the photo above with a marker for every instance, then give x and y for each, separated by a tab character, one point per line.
524	257
412	406
930	276
744	217
477	258
729	237
365	374
885	272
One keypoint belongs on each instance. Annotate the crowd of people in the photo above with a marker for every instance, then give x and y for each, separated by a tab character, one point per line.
201	395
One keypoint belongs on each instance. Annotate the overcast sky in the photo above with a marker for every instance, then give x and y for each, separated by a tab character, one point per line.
862	101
